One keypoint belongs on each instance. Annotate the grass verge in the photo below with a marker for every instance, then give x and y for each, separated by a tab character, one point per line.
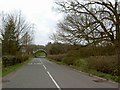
81	65
92	72
10	69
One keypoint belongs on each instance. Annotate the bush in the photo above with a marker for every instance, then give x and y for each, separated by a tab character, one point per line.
10	60
69	60
85	52
21	57
57	57
81	63
72	58
105	64
25	57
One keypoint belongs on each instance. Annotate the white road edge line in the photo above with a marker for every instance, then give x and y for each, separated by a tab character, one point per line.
44	66
54	81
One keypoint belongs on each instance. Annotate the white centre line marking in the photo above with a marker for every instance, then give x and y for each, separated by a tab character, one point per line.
54	81
52	78
44	66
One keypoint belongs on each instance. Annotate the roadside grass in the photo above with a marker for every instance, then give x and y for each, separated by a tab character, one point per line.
82	65
105	75
10	69
92	72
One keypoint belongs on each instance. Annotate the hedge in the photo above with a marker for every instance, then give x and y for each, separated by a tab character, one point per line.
10	60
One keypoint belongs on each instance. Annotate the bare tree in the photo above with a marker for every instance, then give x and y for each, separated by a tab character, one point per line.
92	22
13	28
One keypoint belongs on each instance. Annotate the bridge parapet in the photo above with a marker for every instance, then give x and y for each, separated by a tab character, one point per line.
40	50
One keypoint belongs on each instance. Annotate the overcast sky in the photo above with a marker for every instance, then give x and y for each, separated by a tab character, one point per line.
39	12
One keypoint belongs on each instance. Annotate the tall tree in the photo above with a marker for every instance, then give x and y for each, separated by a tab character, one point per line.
13	28
94	21
9	42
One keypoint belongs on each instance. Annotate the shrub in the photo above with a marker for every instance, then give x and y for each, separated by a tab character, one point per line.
69	60
8	60
25	57
105	64
82	63
85	52
58	57
21	57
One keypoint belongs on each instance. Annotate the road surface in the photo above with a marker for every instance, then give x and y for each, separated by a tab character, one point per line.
41	73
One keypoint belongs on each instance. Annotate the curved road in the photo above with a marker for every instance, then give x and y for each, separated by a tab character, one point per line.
41	73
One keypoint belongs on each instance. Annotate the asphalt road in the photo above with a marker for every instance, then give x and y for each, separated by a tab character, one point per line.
41	73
